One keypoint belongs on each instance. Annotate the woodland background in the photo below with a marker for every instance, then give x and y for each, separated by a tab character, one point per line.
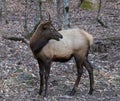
19	79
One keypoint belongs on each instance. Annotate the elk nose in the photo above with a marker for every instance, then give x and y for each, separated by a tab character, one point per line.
60	36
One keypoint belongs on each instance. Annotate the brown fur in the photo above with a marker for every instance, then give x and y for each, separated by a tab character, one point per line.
75	43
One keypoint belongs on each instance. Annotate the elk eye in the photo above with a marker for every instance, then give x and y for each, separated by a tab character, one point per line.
44	28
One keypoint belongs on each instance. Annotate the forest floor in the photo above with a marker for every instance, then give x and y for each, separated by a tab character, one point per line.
19	76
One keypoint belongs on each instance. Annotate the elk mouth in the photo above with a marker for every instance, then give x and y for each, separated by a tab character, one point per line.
58	37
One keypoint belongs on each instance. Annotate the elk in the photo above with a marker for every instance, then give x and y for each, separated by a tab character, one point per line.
48	45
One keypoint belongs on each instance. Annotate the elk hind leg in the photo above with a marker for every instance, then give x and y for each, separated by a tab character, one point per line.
89	68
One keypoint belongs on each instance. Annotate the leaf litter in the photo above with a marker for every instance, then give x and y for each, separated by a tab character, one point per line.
19	78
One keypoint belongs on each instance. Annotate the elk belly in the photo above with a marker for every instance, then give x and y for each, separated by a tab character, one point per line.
57	50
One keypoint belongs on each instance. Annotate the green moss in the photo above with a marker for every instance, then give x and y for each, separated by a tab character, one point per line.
117	79
89	5
49	1
19	70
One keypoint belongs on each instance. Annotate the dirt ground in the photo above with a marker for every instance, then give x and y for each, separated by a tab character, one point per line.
19	79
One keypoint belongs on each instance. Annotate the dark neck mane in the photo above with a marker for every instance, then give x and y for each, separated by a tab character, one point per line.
37	46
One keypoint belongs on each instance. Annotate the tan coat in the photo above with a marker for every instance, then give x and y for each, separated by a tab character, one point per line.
75	41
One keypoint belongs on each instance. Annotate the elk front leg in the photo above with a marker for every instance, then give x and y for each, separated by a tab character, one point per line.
47	72
41	74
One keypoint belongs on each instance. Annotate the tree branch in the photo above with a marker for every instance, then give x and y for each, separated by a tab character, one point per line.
16	39
99	19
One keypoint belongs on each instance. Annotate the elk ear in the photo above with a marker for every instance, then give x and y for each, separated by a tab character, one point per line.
49	17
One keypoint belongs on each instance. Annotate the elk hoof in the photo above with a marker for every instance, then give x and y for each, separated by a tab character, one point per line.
40	92
72	92
44	94
90	92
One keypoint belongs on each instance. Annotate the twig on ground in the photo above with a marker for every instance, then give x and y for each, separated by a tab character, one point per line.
16	39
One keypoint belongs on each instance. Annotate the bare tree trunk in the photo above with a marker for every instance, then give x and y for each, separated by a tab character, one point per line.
26	20
58	15
5	9
40	9
66	13
38	15
99	17
37	12
37	9
100	4
0	10
26	15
